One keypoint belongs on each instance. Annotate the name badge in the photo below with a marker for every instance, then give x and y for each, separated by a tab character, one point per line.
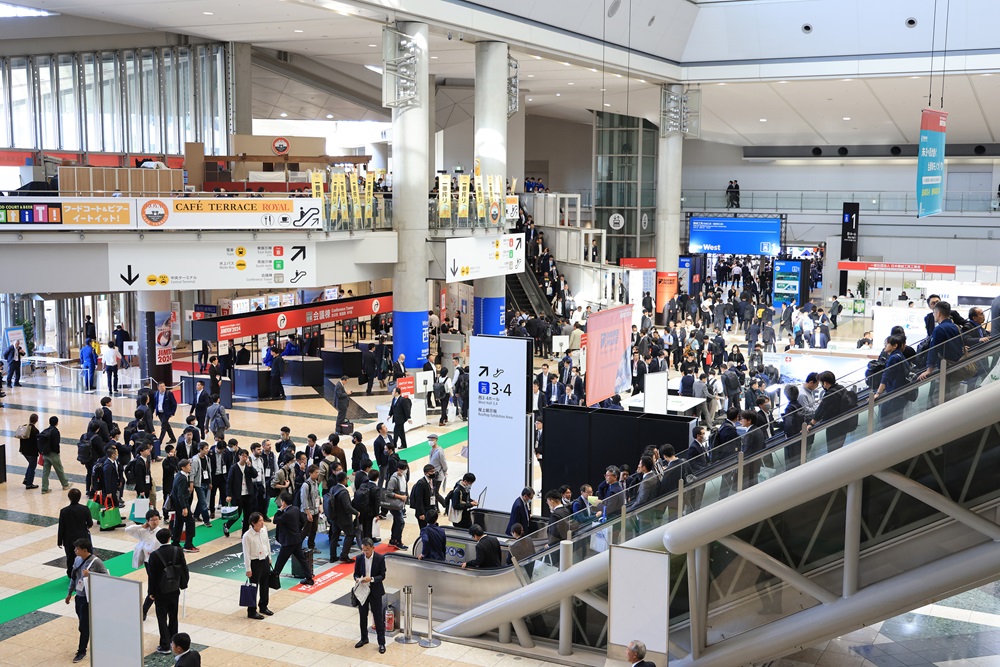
204	475
267	473
148	479
223	470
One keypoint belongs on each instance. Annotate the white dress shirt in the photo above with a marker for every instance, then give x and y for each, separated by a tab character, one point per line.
256	546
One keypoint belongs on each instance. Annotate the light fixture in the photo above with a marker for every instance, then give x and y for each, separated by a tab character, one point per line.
604	90
566	64
537	57
208	13
283	114
374	68
986	75
569	83
720	84
298	31
593	69
846	118
914	77
531	76
618	75
434	57
763	120
642	81
847	79
329	115
8	11
531	99
558	94
374	46
606	104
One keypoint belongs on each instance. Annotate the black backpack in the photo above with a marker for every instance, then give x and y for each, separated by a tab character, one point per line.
45	442
439	391
366	499
170	581
97	475
848	403
130	430
132	473
84	452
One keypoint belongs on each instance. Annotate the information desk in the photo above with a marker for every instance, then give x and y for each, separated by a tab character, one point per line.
676	405
188	389
418	414
341	361
303	371
253	381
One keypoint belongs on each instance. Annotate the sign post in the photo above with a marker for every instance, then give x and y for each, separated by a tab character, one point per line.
500	422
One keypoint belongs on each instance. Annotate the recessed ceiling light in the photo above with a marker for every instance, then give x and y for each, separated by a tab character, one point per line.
987	75
531	76
329	115
566	64
720	84
604	90
593	69
283	114
642	81
782	82
558	94
373	46
847	79
846	118
763	120
606	104
208	13
914	77
570	83
618	75
298	31
434	57
537	57
531	99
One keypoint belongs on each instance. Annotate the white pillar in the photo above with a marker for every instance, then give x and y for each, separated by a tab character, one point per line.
515	144
148	304
668	207
410	185
491	151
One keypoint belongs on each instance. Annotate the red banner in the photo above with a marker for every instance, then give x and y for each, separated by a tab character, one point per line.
608	369
896	268
407	386
637	262
320	313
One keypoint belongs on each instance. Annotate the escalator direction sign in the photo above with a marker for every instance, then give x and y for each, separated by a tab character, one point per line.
483	257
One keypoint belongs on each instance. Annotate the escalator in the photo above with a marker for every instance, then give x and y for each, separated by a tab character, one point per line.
524	294
901	516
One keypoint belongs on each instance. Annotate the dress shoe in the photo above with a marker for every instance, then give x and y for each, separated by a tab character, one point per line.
381	648
267	612
361	643
225	531
31	486
165	650
80	657
346	560
308	582
192	550
255	616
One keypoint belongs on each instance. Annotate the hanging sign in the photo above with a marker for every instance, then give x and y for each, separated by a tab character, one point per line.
444	196
930	162
463	196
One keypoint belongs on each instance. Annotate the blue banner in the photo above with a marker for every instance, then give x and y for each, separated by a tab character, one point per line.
930	162
490	316
410	337
787	282
684	274
735	236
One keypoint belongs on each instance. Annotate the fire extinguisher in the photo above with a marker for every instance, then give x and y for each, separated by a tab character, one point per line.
390	618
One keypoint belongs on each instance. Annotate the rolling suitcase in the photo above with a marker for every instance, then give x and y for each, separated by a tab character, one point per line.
345	427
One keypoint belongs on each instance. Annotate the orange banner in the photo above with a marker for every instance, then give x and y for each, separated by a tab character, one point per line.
608	369
666	289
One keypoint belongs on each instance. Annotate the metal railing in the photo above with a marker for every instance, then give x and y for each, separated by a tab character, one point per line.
875	201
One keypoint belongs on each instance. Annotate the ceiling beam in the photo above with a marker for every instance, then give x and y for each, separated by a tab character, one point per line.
323	78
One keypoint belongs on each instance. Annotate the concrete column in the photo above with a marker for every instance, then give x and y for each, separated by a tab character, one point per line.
240	88
154	310
411	131
432	157
491	151
668	211
380	155
515	144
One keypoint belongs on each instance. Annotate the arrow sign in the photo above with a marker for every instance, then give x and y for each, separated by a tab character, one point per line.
484	370
130	280
454	267
518	246
300	251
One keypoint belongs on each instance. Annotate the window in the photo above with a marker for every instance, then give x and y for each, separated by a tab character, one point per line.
91	95
68	103
111	104
22	109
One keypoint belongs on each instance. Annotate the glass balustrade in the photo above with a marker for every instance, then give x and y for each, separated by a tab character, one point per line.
832	200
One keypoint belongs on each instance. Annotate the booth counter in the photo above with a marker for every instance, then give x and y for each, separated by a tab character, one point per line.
188	389
303	371
253	381
418	414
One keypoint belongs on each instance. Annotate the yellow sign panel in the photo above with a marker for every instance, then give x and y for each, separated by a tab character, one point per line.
316	178
463	196
480	203
240	265
355	197
444	196
369	194
96	213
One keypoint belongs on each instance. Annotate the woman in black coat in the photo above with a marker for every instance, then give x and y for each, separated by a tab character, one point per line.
29	450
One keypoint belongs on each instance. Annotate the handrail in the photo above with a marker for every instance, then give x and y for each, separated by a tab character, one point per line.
881	201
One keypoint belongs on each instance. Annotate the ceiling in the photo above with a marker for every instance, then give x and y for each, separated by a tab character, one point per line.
802	111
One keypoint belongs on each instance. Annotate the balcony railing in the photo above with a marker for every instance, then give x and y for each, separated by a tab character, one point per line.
832	200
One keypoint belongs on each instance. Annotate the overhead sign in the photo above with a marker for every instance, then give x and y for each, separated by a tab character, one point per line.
230	213
637	262
21	213
281	146
483	257
616	221
513	208
896	268
194	265
256	323
849	231
930	162
735	236
500	416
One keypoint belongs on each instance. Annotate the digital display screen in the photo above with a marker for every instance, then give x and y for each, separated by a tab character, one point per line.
787	282
735	236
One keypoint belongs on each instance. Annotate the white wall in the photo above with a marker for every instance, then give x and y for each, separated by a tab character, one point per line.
456	146
568	147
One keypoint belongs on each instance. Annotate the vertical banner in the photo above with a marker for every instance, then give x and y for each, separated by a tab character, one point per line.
930	162
444	196
463	196
411	337
369	195
162	321
608	369
849	231
499	416
480	202
175	321
338	197
666	289
316	179
355	197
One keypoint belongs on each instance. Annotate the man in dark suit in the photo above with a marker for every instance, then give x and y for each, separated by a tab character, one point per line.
399	413
165	407
164	592
726	444
543	378
289	522
369	366
378	446
199	404
370	569
556	390
184	655
422	495
342	516
399	368
341	399
240	489
520	511
635	654
487	549
74	523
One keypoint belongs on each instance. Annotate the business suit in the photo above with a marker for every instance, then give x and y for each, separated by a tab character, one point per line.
375	593
399	412
398	371
164	414
342	516
234	489
166	603
341	400
753	443
520	512
487	553
289	524
74	522
369	366
421	499
199	407
380	458
190	659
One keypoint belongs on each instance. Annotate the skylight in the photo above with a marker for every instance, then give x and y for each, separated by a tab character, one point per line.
8	11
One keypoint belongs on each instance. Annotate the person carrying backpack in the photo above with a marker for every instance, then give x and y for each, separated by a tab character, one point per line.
168	576
835	402
218	420
367	501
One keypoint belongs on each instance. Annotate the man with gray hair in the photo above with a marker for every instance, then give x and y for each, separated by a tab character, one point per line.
635	654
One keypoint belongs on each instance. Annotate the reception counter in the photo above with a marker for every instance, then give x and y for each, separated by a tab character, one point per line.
253	381
303	371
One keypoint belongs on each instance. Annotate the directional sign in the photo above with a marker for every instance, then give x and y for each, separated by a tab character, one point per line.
210	265
483	257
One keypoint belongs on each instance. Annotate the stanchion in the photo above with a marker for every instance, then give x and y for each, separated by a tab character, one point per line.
430	641
407	636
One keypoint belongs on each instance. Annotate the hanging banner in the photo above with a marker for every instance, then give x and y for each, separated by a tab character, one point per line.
930	162
338	197
480	202
355	197
369	195
463	196
444	196
666	289
608	353
316	178
162	320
